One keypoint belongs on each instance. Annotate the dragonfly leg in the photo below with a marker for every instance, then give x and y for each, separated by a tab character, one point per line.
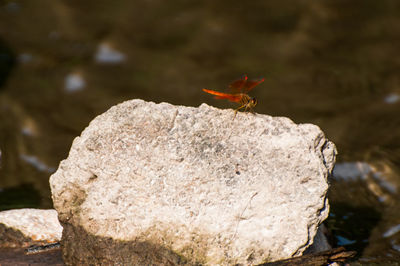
250	109
237	109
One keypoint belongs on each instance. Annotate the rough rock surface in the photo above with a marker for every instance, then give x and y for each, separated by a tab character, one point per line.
150	183
25	227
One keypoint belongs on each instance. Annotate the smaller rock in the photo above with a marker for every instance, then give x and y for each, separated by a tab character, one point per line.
25	227
320	242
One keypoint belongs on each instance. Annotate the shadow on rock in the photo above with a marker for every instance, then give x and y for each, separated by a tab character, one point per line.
80	251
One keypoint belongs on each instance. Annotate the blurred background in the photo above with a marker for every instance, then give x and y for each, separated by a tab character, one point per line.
332	63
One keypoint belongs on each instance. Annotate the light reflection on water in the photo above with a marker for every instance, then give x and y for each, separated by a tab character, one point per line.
342	241
35	162
392	231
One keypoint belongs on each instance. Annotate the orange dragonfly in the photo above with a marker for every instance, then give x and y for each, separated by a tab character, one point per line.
241	87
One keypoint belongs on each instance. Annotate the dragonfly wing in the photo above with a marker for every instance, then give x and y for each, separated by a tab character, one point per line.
237	85
227	96
250	84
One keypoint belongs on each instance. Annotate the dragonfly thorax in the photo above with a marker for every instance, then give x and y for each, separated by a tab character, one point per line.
248	101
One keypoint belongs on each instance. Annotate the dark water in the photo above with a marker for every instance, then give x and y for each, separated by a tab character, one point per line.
333	63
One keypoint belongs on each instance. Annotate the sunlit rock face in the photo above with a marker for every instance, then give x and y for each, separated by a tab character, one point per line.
150	183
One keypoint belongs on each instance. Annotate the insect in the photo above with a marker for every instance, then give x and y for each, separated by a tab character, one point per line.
240	87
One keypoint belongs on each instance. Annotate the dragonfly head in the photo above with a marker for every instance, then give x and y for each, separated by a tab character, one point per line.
253	101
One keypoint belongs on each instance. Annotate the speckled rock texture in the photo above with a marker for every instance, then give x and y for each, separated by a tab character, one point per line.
150	183
25	227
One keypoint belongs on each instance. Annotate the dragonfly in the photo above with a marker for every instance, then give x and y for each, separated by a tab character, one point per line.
240	87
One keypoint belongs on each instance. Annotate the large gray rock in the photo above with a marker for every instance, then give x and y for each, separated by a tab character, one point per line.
150	183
